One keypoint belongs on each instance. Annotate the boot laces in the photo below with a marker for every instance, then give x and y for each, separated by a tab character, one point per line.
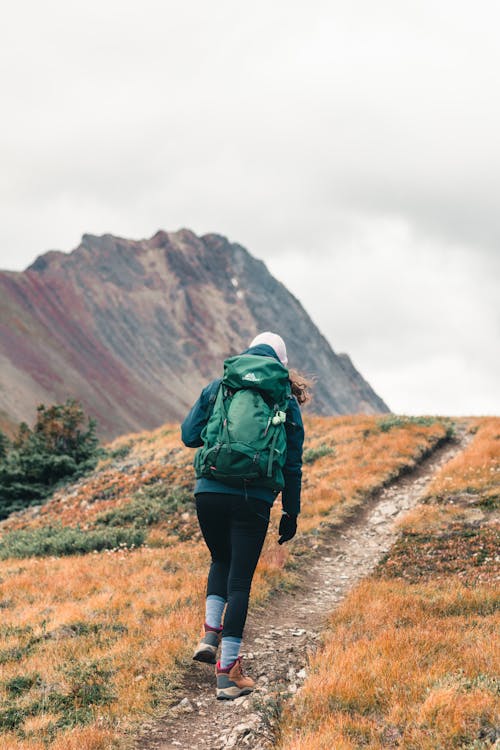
238	667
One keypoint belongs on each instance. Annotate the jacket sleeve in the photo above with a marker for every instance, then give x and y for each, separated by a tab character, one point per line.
197	418
292	471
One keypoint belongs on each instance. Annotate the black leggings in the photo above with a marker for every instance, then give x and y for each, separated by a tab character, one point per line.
234	529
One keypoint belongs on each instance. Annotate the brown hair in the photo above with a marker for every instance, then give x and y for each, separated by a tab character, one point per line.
301	386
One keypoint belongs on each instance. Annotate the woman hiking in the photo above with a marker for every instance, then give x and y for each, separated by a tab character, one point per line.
237	483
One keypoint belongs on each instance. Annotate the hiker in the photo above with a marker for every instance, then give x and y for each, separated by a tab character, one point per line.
233	503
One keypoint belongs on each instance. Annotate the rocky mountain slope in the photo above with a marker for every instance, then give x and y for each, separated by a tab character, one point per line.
134	329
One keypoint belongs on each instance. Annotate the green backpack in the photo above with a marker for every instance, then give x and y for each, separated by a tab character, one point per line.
244	440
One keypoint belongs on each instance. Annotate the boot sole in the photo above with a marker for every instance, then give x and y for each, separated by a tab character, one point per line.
206	655
229	694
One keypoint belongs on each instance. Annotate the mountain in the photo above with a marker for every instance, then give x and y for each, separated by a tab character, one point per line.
134	329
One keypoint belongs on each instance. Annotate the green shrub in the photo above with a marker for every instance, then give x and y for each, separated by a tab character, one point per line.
22	683
11	654
312	454
65	540
9	630
58	448
4	445
83	628
152	504
121	452
396	420
11	717
89	684
401	420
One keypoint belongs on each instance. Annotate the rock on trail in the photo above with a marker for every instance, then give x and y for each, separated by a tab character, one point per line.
279	636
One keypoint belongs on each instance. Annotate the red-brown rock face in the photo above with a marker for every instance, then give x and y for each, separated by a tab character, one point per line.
134	329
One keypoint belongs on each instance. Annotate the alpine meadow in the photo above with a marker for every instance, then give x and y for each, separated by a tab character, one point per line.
102	589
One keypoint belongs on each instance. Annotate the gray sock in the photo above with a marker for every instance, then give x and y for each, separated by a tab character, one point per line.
214	607
230	650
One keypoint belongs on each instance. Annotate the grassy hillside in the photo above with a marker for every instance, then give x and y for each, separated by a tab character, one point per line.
102	587
411	657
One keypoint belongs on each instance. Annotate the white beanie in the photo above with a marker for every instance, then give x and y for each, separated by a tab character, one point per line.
275	342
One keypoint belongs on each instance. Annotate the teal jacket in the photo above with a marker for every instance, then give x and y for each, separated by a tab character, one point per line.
197	418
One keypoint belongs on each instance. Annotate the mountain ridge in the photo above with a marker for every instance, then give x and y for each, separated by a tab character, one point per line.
135	328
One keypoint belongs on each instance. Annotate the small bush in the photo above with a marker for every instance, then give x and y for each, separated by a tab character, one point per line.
400	420
22	683
396	420
121	452
11	717
38	460
4	445
64	540
312	454
154	503
11	654
89	684
83	628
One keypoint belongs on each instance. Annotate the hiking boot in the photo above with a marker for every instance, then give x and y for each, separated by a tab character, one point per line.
231	682
206	650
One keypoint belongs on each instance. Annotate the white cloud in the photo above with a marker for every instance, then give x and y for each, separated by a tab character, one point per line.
359	139
418	318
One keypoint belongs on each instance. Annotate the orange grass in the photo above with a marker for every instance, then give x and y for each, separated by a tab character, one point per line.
457	526
416	665
365	458
477	469
415	661
146	604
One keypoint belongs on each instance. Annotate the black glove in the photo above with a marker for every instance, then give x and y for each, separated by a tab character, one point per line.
288	528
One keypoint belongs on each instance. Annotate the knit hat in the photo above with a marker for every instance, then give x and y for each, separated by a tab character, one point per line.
275	342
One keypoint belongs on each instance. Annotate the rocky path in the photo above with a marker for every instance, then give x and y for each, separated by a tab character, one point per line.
279	637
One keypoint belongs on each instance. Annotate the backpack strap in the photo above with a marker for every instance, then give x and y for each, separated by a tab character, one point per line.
225	428
273	443
211	402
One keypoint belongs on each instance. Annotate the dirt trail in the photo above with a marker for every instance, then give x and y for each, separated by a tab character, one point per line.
279	636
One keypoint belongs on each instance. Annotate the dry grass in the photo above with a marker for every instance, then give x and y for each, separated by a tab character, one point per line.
476	470
411	658
96	642
367	452
415	662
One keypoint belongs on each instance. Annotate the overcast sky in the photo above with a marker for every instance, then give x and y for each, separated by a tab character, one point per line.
354	147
